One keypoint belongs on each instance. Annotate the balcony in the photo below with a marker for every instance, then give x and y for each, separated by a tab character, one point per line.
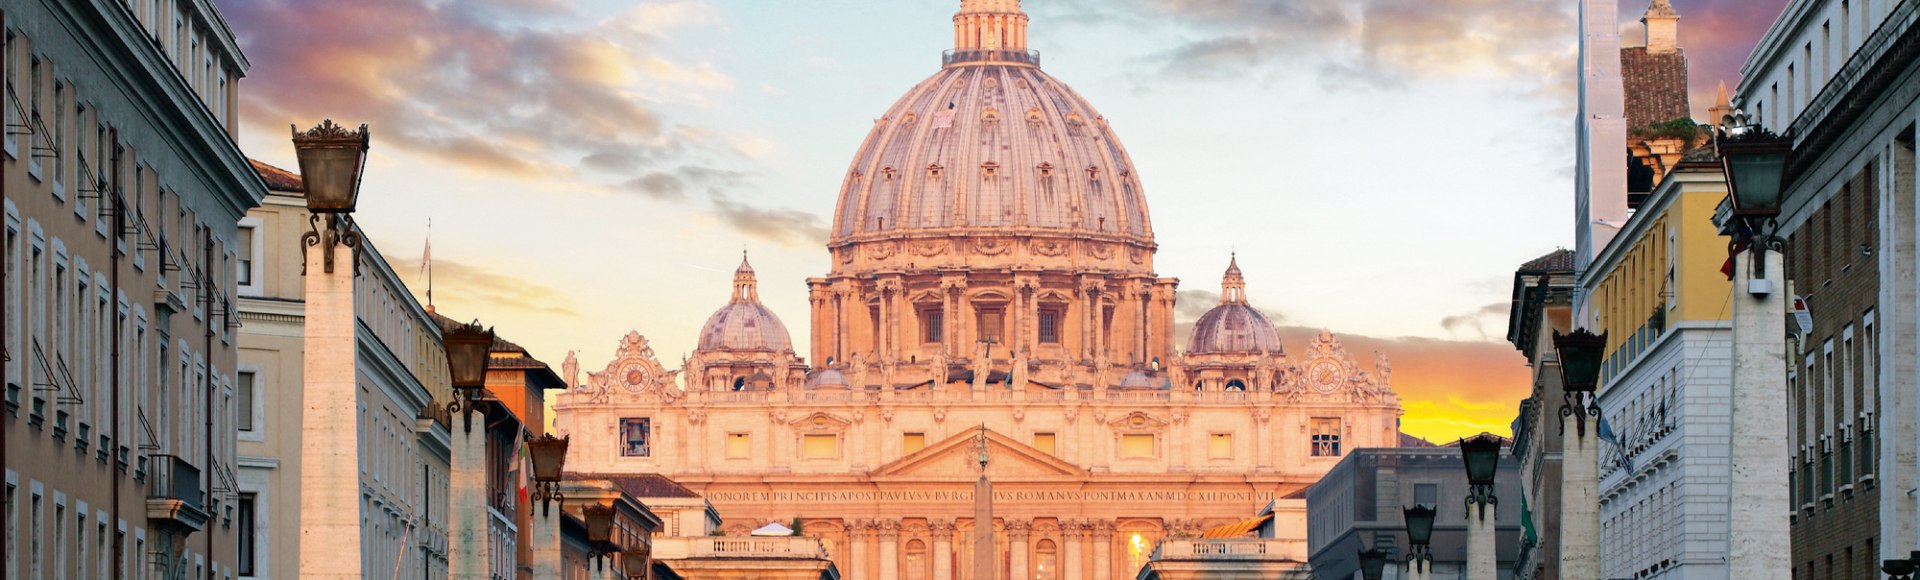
951	57
1232	550
173	495
735	548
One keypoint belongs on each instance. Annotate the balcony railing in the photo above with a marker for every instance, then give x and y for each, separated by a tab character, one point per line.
174	498
1031	57
1232	549
785	548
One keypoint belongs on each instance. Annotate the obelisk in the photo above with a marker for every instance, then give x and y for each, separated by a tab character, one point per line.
984	554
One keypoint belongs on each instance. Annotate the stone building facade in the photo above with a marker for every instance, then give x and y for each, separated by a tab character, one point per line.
122	186
992	266
1542	306
1838	79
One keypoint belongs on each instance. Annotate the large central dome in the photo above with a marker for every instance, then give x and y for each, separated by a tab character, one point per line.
991	141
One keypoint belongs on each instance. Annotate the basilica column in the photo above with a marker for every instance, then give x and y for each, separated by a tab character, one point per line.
1262	449
1074	532
861	533
942	552
1017	533
1102	538
889	549
1179	440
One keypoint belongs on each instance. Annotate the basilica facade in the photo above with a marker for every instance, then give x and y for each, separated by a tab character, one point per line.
992	278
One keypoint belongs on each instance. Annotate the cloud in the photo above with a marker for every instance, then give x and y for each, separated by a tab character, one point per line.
1475	322
464	284
1358	44
778	225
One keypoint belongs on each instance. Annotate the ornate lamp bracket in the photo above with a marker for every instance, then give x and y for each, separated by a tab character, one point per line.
1420	557
1580	406
339	230
1480	496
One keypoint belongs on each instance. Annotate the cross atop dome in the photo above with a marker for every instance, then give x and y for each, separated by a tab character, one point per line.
745	288
1233	286
991	25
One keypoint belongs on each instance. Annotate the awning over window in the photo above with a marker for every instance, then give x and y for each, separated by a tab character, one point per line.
1236	529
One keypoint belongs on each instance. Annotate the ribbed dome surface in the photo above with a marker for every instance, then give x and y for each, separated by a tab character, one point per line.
1233	328
991	145
744	326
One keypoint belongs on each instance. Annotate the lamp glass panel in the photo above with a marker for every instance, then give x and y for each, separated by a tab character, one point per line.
1756	178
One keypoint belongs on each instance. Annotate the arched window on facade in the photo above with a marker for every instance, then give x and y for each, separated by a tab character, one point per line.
1236	385
1046	560
739	383
919	567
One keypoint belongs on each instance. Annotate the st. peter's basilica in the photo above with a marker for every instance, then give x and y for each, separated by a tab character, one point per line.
992	264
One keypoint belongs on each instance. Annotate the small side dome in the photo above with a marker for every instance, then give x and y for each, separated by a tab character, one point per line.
1135	380
745	325
1233	327
827	378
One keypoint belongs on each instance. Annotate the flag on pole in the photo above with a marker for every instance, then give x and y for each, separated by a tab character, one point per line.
426	264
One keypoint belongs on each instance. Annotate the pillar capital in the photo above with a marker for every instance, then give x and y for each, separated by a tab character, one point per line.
888	529
941	529
1019	529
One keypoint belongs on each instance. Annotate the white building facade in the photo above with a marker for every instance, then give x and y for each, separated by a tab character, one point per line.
402	430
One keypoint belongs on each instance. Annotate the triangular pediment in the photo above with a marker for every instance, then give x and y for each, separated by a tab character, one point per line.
958	458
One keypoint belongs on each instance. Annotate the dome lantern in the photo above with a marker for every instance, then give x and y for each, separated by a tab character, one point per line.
1233	287
745	288
990	30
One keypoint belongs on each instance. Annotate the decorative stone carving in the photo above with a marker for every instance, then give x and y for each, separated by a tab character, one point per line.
939	414
941	528
1102	251
633	370
886	415
991	246
1019	529
930	248
1019	414
888	528
1050	248
570	370
1072	413
882	250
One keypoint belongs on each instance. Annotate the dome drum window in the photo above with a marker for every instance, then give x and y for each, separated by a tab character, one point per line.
989	169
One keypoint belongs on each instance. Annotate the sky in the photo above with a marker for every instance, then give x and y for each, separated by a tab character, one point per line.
589	167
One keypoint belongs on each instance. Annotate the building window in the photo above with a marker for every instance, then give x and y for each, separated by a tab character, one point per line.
637	433
1046	560
243	266
739	446
932	326
990	323
1044	442
248	535
820	446
1136	446
1426	494
1050	326
1236	385
911	443
1220	446
1326	437
243	415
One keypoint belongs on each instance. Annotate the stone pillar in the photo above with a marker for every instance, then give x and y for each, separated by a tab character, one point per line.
545	536
1483	560
861	533
889	549
329	445
1102	538
467	518
1017	533
1759	543
1075	534
942	552
1580	500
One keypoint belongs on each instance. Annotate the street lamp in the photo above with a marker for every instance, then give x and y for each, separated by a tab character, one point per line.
467	347
1419	520
599	523
549	458
1482	457
637	563
332	159
1579	353
1898	569
1755	161
1373	562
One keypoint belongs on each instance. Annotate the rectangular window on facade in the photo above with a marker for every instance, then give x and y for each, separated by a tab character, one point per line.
739	446
636	435
1050	326
243	265
820	446
1426	494
932	326
1220	446
911	443
243	411
1326	437
1044	442
991	320
1134	446
249	539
